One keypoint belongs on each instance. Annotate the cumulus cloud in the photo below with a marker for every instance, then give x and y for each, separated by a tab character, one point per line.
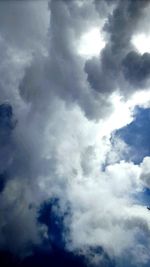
145	174
105	74
58	116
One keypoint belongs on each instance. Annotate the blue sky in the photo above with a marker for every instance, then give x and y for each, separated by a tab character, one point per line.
136	134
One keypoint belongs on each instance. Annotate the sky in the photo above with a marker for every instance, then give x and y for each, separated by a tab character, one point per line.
74	133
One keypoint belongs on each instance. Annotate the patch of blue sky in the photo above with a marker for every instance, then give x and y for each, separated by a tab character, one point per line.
143	197
137	135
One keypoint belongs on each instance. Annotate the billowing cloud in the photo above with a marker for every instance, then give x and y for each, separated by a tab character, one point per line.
105	74
67	181
145	175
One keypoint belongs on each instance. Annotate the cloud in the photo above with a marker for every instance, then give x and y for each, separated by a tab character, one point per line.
136	68
7	124
63	147
104	74
145	172
22	25
18	222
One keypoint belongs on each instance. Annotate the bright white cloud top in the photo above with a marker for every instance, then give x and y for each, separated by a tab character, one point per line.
91	43
142	43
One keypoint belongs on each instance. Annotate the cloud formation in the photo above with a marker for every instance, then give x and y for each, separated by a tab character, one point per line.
105	75
65	177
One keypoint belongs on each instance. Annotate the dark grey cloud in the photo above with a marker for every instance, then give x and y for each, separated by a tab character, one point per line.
65	68
136	68
103	74
62	73
106	75
7	124
122	23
